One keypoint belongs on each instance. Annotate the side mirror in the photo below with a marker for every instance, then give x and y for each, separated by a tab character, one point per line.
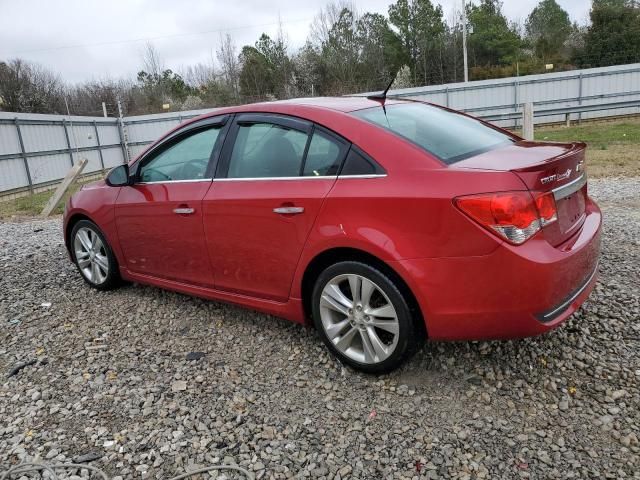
118	176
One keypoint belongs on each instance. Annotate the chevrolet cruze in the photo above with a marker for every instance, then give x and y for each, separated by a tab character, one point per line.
381	222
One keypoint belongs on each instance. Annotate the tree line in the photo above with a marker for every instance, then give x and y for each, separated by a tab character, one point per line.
347	52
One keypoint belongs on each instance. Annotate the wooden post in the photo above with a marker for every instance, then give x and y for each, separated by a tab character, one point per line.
527	121
71	176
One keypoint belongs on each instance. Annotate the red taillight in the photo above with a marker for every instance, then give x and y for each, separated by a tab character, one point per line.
546	205
514	216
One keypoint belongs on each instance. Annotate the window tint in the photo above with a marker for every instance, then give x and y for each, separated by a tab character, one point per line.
323	157
448	135
185	160
267	150
358	164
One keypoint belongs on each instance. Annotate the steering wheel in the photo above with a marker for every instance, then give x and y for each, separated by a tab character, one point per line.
155	171
193	169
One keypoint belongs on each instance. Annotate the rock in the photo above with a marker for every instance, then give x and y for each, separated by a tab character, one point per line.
195	355
629	439
54	452
344	471
179	386
618	394
87	457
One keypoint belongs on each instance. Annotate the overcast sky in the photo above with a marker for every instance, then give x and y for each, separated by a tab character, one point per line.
93	39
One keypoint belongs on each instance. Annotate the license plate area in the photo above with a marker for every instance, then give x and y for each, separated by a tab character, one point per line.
571	210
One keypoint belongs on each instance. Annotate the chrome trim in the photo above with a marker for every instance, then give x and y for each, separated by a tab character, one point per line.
288	210
175	181
372	175
317	177
548	316
570	188
255	179
183	210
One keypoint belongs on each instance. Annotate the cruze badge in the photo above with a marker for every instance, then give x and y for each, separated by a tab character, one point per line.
557	177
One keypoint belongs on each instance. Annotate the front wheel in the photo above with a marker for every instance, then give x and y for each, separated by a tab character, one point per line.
363	317
93	256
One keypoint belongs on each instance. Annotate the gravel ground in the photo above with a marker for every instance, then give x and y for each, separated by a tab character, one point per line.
112	379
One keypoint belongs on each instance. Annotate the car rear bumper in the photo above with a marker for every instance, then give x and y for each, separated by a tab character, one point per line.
516	291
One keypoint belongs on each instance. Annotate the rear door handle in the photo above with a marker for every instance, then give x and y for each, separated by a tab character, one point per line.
183	211
288	210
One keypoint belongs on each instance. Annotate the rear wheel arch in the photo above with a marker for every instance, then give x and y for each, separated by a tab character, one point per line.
340	254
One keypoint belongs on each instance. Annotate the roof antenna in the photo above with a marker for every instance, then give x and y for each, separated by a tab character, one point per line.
382	97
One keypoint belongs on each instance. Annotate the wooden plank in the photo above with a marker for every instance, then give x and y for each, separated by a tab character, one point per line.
527	121
71	176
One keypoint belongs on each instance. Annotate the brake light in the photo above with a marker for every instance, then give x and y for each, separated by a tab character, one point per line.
514	216
546	205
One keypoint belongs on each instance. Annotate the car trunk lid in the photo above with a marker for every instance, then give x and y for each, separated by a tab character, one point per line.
545	167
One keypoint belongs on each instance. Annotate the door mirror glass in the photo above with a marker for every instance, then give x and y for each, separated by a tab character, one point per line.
118	176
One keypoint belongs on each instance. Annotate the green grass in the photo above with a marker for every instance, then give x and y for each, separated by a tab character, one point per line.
32	205
613	147
597	135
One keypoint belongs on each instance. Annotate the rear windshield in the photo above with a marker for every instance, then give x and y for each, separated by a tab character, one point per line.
449	136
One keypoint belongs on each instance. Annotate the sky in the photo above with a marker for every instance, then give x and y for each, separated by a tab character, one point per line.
95	39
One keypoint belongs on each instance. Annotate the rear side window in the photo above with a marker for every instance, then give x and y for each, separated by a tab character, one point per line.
357	163
267	150
323	157
449	136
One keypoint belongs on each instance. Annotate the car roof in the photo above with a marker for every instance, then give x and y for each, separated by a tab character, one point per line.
335	104
341	104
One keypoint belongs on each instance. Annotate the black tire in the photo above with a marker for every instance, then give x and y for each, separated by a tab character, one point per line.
112	278
408	337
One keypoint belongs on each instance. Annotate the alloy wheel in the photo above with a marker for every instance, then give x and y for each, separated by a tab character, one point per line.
91	255
359	319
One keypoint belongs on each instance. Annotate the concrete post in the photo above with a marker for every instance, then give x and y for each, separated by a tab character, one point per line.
527	121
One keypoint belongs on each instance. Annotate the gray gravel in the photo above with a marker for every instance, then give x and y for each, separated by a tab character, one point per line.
112	381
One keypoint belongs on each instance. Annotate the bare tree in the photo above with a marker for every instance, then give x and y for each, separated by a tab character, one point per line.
151	61
87	98
200	74
29	87
326	18
228	58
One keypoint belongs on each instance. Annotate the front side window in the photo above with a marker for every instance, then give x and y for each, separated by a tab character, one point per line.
449	136
185	160
267	150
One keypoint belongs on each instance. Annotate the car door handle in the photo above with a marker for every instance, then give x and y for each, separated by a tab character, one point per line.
183	210
288	210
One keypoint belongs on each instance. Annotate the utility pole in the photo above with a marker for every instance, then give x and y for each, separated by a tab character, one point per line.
104	110
464	41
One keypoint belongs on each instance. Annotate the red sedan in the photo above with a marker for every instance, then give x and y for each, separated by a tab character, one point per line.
381	223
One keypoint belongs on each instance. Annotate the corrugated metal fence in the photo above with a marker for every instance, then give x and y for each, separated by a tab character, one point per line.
37	150
589	90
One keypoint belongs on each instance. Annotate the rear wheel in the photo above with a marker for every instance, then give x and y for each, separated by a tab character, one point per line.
93	256
363	317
